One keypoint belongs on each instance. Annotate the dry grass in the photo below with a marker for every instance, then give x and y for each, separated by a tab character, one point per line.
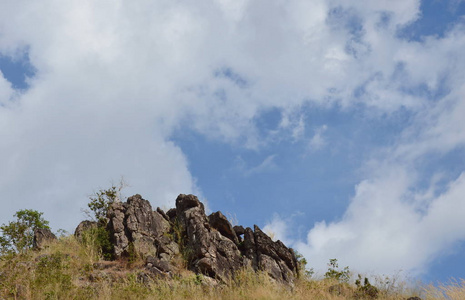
68	269
455	290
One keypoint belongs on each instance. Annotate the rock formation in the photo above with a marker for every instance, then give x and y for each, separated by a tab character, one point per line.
208	245
42	236
83	227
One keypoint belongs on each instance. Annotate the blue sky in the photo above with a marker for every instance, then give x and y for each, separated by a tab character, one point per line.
335	125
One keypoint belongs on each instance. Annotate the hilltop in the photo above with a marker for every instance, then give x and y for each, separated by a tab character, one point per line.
132	251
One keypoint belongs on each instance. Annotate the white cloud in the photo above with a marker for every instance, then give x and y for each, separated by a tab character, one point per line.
318	141
277	229
383	231
392	223
268	164
6	91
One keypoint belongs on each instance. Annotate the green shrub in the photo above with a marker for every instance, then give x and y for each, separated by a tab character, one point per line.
99	239
366	290
302	266
179	236
334	272
17	236
100	203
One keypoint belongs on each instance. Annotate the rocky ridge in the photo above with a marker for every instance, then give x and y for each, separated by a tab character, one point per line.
209	245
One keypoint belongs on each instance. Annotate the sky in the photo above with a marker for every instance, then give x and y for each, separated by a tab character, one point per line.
338	126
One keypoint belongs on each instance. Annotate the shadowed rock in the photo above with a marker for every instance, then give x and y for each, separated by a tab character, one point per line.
42	236
211	253
239	230
221	223
83	227
283	256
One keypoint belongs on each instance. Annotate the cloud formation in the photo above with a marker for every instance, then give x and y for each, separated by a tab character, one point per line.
114	80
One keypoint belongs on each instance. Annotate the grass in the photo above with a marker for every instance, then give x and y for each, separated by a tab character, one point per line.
68	269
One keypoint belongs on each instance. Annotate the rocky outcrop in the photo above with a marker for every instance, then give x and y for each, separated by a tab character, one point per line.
83	227
208	245
42	236
134	226
210	252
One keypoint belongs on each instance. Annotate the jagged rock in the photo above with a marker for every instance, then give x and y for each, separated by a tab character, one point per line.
162	213
165	245
250	249
161	264
270	266
210	245
42	236
221	223
212	253
116	226
159	267
284	257
135	224
171	214
239	230
82	227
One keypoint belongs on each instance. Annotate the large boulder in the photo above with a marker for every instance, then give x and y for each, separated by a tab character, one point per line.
42	237
83	227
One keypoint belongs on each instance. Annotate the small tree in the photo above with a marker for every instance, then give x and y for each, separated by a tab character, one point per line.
99	205
101	201
334	272
17	236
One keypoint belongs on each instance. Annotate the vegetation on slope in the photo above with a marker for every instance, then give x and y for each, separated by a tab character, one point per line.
68	268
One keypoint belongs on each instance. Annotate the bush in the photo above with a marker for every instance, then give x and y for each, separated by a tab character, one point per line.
334	272
302	266
366	290
17	236
100	203
99	239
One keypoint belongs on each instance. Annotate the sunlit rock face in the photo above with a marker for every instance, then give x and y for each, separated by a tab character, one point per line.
207	245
